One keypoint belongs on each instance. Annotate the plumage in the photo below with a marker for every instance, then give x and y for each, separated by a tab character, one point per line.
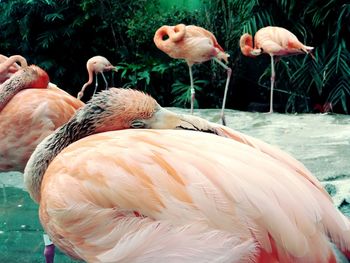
30	109
195	45
275	41
8	66
162	194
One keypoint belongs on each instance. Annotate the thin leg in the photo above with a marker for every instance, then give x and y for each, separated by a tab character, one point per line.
229	73
49	251
192	88
273	75
96	84
104	78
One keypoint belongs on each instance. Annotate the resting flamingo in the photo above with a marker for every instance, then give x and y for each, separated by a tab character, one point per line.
8	66
107	194
30	109
96	65
275	41
195	45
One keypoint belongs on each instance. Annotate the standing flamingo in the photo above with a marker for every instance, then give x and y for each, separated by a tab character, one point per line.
8	66
174	195
195	45
275	41
96	65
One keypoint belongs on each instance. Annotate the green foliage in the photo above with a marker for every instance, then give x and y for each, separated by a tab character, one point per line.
323	24
182	92
61	35
139	75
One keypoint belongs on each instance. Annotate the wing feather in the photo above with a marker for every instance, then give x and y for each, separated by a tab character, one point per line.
184	178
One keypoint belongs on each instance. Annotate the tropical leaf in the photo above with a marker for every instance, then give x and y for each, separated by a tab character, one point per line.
182	92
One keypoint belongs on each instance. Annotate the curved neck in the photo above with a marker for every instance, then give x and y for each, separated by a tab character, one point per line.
48	149
246	45
109	110
175	34
83	123
90	71
22	79
11	60
17	58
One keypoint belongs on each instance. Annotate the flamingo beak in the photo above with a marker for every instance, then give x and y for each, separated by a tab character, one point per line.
165	119
162	119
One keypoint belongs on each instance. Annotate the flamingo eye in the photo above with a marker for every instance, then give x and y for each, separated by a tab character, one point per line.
137	124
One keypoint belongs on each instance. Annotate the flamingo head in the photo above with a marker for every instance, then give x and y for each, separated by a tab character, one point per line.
118	108
246	45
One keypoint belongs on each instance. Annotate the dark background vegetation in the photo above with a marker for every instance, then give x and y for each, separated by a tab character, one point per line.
60	36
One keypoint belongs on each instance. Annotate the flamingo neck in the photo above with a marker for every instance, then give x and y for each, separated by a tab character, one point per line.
17	58
8	62
88	120
177	33
28	77
49	148
246	45
174	33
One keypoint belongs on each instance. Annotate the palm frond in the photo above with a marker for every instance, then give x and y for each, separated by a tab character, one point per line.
340	93
258	20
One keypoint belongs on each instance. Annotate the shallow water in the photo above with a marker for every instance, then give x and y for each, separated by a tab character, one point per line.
319	141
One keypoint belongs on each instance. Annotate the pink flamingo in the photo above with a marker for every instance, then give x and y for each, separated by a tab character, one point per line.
96	65
246	202
195	45
30	109
275	41
8	66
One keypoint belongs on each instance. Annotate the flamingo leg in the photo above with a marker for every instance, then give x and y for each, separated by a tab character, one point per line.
192	88
105	80
273	75
49	251
229	73
96	84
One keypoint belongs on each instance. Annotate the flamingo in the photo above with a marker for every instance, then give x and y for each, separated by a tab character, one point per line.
8	66
30	109
107	193
96	65
275	41
195	45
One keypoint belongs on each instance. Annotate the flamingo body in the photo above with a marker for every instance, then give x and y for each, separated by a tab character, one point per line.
201	194
275	41
192	43
174	180
28	117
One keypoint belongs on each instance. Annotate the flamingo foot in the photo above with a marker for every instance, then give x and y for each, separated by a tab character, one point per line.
49	253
